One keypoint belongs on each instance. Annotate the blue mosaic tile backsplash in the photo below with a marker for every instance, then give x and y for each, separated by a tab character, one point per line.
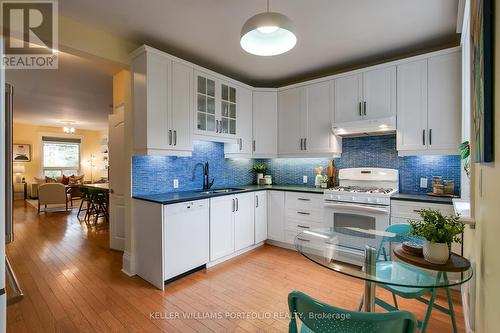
155	174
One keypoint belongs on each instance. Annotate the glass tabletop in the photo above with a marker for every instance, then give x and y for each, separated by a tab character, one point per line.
342	250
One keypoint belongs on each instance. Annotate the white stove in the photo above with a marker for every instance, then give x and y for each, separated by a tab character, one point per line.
362	200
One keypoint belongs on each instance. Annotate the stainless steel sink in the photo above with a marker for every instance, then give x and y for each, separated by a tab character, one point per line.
221	190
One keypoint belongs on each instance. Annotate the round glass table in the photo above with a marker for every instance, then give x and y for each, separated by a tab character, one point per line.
368	255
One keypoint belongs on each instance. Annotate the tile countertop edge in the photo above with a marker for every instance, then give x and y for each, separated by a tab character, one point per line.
173	197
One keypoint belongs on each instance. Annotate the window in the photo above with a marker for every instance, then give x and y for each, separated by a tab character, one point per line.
61	156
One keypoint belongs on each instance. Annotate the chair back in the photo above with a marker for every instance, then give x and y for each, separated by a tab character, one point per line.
400	229
318	317
52	193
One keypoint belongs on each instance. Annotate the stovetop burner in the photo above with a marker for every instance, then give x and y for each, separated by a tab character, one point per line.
362	189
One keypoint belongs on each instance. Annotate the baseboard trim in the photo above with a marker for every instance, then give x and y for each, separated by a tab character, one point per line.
281	244
128	264
233	255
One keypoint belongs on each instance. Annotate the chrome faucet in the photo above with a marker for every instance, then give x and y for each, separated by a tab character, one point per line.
207	184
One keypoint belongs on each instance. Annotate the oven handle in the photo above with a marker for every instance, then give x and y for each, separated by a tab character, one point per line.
357	208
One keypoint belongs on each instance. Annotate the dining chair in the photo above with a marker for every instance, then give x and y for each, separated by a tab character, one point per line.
318	317
403	229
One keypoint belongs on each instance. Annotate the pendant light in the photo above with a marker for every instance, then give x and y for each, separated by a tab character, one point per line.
268	34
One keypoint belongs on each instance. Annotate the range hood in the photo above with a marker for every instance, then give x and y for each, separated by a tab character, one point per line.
364	127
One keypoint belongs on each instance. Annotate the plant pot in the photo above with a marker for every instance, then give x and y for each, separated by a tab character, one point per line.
436	253
259	176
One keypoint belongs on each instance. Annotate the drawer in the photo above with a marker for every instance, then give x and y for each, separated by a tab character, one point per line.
302	225
410	209
303	200
305	214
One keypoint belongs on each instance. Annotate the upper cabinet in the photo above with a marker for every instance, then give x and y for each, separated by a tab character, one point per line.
216	107
365	96
162	100
265	123
244	145
304	122
429	105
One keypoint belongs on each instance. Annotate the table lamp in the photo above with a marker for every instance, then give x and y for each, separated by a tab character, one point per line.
18	170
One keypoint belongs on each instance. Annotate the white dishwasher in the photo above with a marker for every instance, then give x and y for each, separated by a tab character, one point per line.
186	237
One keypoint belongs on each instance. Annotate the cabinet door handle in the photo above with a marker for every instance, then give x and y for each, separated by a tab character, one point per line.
430	137
303	213
241	144
303	226
303	199
253	145
169	137
423	137
237	205
364	108
175	137
360	109
234	205
256	201
301	144
305	143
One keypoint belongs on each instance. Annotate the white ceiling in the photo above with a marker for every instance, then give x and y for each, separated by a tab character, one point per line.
80	91
332	34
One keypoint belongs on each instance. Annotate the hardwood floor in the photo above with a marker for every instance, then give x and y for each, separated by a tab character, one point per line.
73	283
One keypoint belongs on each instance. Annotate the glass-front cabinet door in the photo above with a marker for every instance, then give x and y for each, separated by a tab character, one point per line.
205	104
228	109
216	107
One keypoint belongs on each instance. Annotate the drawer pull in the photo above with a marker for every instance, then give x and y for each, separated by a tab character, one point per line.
303	213
417	211
302	239
303	199
303	226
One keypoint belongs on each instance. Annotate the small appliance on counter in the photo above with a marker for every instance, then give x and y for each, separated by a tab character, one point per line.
266	180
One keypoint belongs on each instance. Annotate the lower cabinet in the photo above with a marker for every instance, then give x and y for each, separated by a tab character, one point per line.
276	215
260	216
231	224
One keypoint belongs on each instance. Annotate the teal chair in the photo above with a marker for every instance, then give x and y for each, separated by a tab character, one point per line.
385	268
318	317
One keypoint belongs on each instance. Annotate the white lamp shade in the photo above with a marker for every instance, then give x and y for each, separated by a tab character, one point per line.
268	34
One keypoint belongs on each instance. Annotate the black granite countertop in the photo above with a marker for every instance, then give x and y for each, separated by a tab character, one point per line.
183	196
422	198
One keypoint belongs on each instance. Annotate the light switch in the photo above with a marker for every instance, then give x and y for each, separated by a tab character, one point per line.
423	182
176	183
304	179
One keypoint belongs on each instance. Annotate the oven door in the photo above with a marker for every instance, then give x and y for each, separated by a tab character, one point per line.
341	215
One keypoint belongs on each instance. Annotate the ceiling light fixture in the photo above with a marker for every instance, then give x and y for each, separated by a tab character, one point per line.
268	34
68	128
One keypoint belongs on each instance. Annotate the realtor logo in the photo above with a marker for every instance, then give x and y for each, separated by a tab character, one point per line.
29	30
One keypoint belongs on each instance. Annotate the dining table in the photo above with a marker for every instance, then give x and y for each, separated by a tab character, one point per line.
376	258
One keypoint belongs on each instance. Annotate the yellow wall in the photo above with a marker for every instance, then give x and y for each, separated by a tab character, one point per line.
31	134
486	201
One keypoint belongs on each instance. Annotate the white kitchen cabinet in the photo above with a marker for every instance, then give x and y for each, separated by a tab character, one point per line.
319	138
162	104
347	98
217	107
412	106
276	215
260	216
221	226
290	121
243	146
365	96
186	235
429	105
265	123
244	223
304	122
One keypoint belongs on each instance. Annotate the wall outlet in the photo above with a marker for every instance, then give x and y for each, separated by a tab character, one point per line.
304	179
423	182
176	183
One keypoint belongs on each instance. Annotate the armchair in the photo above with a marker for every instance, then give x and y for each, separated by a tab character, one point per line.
53	194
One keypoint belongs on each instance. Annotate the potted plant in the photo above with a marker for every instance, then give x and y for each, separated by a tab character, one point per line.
259	169
439	232
324	182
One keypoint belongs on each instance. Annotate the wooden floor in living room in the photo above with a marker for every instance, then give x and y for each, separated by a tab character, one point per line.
73	282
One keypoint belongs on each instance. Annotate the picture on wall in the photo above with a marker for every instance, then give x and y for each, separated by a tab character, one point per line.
481	31
21	153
